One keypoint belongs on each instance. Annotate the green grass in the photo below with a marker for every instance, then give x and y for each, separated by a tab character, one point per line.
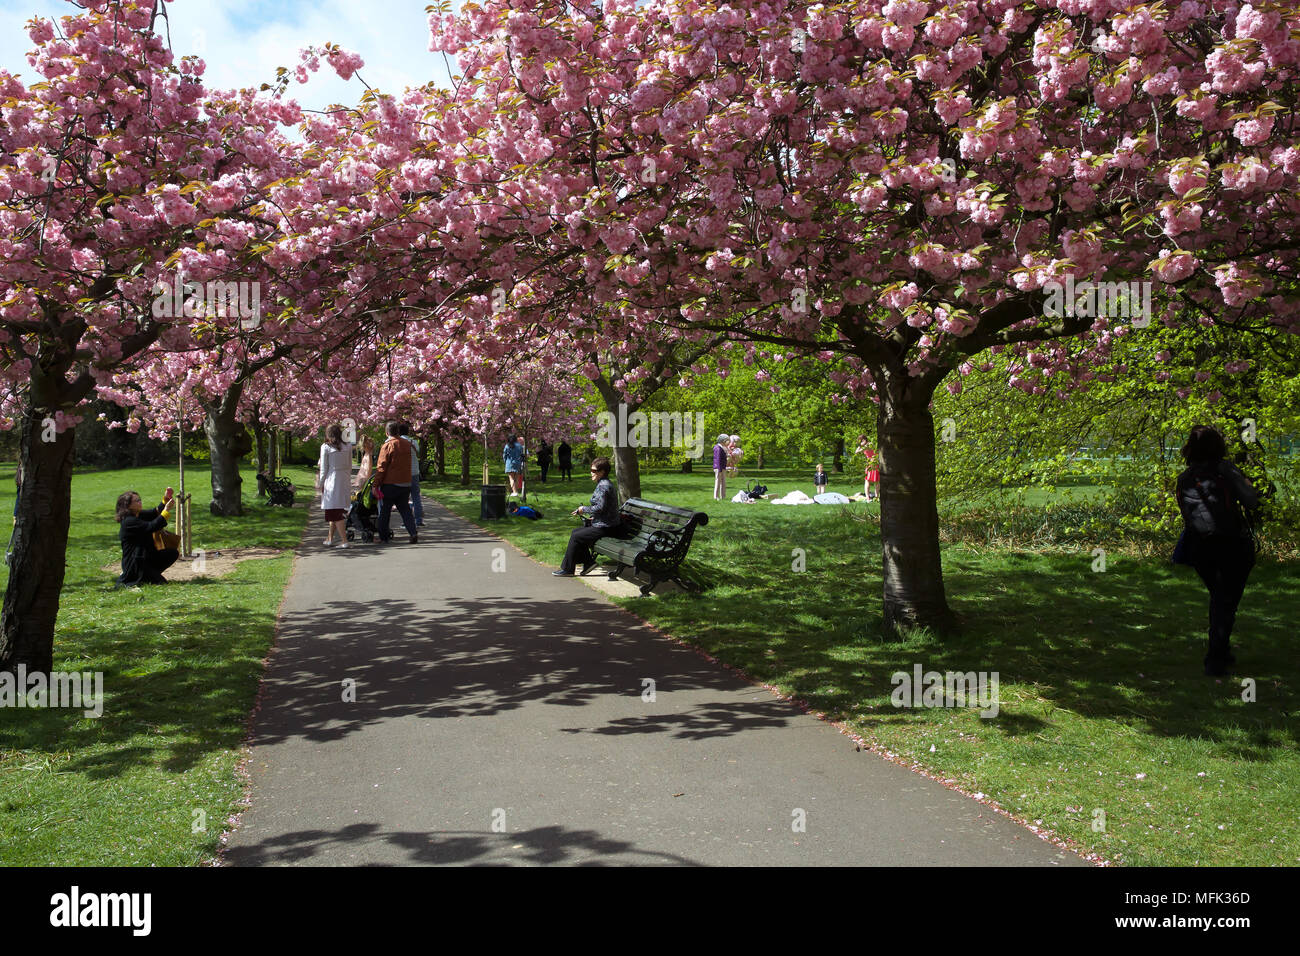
181	664
1100	671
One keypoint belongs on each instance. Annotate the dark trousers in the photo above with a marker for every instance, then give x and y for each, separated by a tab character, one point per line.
566	471
395	496
1224	567
545	466
580	542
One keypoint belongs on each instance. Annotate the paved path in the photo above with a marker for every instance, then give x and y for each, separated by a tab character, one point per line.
499	719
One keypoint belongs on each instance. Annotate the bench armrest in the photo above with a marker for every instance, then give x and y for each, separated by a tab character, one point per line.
662	542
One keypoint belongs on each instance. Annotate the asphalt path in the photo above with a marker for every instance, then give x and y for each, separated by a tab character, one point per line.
451	702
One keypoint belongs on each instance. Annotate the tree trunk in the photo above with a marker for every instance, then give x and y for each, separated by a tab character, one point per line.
466	444
274	453
627	470
760	458
837	465
40	545
259	433
909	515
424	456
228	442
439	453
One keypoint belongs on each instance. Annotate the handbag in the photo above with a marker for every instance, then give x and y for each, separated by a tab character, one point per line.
166	539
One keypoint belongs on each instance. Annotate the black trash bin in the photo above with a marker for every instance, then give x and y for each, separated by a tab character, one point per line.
492	505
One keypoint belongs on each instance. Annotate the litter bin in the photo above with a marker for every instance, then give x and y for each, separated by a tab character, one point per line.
492	504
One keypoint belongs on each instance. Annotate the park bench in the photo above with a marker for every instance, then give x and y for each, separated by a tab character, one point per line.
654	540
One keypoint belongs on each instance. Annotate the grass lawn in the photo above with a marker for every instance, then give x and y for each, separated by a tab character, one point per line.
152	780
1103	705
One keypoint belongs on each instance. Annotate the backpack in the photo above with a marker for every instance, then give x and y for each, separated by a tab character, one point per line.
754	491
1208	504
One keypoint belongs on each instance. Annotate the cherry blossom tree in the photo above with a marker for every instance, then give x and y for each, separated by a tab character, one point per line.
909	184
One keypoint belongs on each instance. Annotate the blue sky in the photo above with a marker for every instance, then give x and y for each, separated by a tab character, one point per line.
243	41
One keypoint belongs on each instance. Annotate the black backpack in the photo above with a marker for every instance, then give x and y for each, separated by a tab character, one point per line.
754	490
1208	505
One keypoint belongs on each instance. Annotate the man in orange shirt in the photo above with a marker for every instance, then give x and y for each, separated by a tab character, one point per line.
393	478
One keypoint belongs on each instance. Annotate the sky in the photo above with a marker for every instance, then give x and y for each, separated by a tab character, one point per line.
243	41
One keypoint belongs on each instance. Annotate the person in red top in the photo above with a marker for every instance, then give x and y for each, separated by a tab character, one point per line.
393	478
871	476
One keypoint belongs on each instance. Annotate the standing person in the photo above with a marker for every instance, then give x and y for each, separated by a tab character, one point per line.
417	508
734	454
367	463
1217	538
333	481
393	476
142	561
512	455
720	468
870	474
605	520
544	458
819	479
565	454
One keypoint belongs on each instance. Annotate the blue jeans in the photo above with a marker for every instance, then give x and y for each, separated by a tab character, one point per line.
417	508
395	496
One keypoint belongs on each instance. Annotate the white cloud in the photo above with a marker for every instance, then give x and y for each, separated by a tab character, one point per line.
243	41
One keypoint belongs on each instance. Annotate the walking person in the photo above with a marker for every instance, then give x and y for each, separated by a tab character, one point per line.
393	476
367	463
143	562
565	459
544	458
417	507
333	484
720	468
1217	537
512	456
605	521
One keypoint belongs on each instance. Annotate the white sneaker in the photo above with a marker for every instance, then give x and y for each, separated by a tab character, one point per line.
328	542
343	544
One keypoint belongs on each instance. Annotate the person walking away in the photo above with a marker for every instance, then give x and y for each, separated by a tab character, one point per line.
333	484
393	476
544	458
720	468
143	562
1217	537
417	507
512	456
565	454
819	479
605	520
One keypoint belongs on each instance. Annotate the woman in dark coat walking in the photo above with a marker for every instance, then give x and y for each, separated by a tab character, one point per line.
142	563
1217	537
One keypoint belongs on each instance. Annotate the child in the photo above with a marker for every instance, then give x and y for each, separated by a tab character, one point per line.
871	475
819	479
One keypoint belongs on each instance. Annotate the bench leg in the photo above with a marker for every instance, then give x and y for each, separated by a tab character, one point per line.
618	569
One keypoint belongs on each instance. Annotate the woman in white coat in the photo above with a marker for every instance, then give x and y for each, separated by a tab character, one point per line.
334	484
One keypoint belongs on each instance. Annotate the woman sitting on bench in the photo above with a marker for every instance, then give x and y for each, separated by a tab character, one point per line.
605	520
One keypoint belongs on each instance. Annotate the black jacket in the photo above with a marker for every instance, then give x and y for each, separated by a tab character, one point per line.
137	546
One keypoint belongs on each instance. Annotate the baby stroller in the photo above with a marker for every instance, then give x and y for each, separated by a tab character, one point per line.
361	514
